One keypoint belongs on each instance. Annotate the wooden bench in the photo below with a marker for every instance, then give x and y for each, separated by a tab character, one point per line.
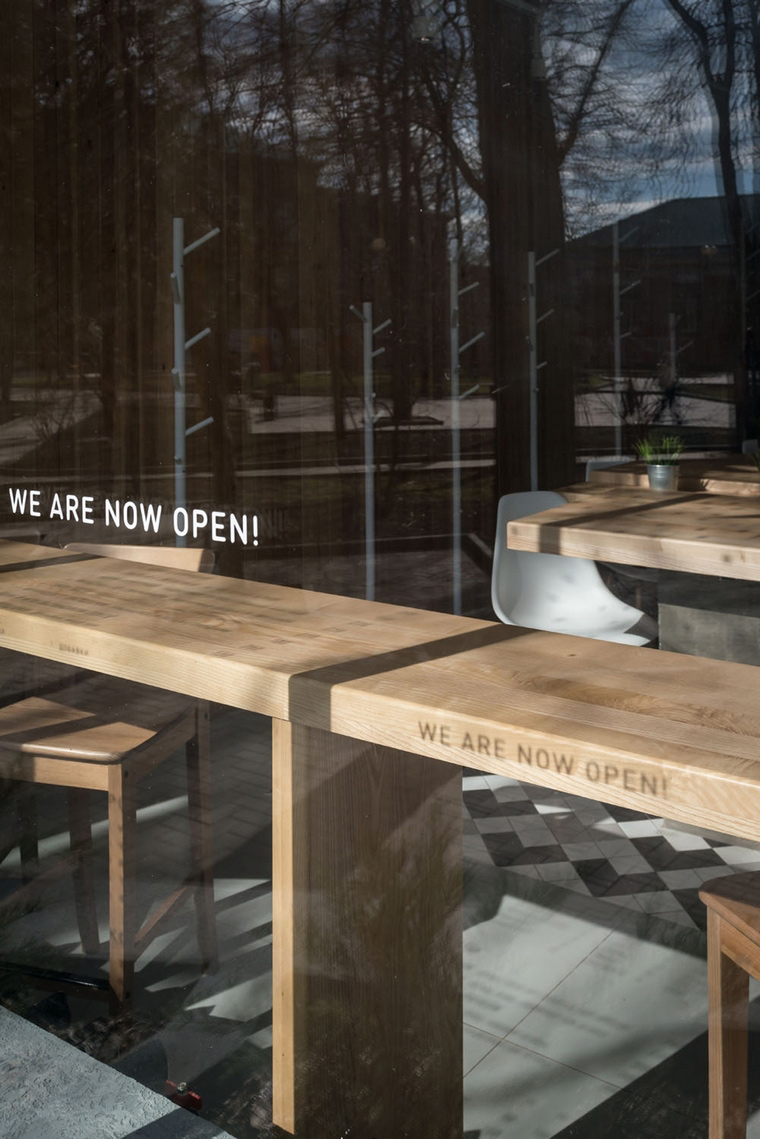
376	708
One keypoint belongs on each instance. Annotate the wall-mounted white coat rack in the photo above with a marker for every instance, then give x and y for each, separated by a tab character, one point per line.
369	332
456	351
181	346
618	336
534	366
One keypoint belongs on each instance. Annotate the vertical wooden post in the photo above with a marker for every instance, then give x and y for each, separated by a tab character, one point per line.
122	836
80	832
201	846
287	982
728	989
367	939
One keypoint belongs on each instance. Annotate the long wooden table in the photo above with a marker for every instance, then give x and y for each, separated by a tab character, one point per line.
375	710
691	531
725	474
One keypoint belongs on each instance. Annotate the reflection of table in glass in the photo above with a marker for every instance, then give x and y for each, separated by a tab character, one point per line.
367	701
693	538
691	531
727	474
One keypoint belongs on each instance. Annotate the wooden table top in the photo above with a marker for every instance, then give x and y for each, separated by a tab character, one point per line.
694	532
726	474
666	733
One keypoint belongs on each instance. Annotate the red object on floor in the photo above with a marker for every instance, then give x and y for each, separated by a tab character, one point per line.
182	1096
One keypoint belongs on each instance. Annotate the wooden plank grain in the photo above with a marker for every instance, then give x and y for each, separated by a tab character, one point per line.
660	732
367	977
216	638
693	532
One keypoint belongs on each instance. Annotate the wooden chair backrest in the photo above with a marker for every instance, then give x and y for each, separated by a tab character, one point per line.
171	557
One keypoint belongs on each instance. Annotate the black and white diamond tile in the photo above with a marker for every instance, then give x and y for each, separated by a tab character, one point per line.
600	850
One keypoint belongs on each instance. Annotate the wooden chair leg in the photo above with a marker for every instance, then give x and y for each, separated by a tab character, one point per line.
728	992
84	880
201	852
122	865
28	843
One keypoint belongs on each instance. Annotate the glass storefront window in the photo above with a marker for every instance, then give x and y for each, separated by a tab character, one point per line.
294	293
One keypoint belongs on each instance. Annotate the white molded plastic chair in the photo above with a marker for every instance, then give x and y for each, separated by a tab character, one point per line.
556	593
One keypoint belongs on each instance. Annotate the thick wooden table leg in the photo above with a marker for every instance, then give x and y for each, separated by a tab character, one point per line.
728	989
367	940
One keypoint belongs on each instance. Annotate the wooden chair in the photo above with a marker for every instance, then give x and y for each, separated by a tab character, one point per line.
733	955
106	734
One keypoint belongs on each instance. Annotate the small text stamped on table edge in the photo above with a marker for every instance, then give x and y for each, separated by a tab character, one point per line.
562	762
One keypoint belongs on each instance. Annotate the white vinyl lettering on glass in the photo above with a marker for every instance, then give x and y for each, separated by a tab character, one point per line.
136	516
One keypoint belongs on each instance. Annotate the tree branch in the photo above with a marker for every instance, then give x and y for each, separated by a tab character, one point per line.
699	31
440	108
576	118
729	21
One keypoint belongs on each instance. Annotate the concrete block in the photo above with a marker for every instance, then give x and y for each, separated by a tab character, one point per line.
48	1088
710	617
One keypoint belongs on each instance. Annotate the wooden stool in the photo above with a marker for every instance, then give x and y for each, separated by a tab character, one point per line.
733	955
105	734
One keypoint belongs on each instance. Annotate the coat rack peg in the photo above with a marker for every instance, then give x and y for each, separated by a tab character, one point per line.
181	346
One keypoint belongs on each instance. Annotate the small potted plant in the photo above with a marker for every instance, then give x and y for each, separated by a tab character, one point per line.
661	455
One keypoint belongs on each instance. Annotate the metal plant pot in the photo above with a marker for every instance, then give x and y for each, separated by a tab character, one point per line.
663	476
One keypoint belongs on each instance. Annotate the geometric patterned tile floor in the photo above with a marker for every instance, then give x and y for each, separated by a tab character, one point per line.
600	850
520	957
